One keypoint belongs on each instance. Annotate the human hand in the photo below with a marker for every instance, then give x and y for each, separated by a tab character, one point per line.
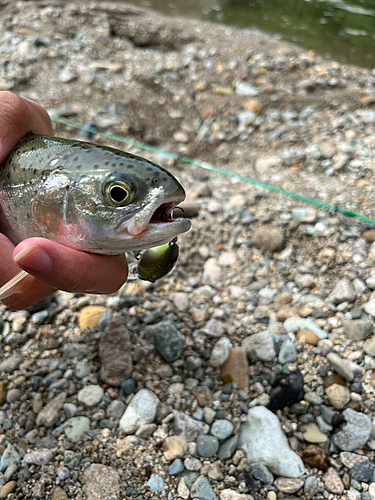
51	266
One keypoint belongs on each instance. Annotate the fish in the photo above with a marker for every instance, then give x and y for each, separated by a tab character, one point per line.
157	262
87	197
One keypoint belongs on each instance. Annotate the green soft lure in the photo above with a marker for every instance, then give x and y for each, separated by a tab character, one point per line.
157	262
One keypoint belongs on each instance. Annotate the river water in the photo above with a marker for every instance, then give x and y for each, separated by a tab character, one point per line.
340	29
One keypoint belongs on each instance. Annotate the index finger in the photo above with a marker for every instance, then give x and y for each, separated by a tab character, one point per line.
19	117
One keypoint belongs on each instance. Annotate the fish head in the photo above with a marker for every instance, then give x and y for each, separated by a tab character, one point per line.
115	202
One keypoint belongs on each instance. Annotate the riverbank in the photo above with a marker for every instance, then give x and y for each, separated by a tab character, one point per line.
256	269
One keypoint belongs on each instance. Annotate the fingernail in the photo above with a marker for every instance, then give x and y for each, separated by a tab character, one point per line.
34	258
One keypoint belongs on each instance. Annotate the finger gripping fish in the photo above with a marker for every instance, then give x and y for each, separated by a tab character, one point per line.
87	197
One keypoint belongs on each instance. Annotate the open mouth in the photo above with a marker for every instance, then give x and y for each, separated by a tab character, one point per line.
163	213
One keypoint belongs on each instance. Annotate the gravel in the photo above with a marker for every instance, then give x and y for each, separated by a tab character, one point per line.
266	321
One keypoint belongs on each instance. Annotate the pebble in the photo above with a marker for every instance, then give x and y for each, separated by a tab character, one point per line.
220	352
347	369
3	392
207	446
358	329
76	427
260	346
167	339
287	390
243	88
9	455
222	429
312	486
202	490
288	485
338	395
188	427
50	414
89	316
315	456
287	353
228	494
235	369
312	433
261	472
363	472
140	411
332	482
183	490
62	473
369	346
267	238
192	464
9	365
155	483
59	494
270	446
227	448
100	481
115	409
371	491
90	395
214	472
176	468
355	433
13	395
7	489
38	457
307	337
174	447
295	324
351	460
343	292
115	349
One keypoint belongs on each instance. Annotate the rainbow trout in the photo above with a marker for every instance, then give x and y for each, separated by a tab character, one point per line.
87	197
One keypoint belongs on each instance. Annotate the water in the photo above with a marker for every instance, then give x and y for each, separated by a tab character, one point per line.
340	29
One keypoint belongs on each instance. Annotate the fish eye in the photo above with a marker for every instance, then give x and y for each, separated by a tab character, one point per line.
118	193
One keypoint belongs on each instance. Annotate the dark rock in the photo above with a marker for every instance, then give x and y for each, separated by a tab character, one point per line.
167	339
127	387
115	353
227	449
363	472
286	391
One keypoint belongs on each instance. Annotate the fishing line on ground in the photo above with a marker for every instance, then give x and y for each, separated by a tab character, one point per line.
212	168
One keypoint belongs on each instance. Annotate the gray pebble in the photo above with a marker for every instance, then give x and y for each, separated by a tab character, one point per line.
202	490
287	353
207	446
168	340
38	457
260	346
62	473
176	467
115	409
355	433
222	429
155	483
90	395
261	472
227	448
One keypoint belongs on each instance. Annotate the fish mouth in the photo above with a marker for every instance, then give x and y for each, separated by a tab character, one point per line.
154	214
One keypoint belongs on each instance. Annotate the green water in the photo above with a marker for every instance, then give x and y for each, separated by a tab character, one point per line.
340	29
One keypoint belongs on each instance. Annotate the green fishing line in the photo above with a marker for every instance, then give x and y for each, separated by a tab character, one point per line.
212	168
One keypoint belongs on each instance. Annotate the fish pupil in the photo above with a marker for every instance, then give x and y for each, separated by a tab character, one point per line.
118	194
